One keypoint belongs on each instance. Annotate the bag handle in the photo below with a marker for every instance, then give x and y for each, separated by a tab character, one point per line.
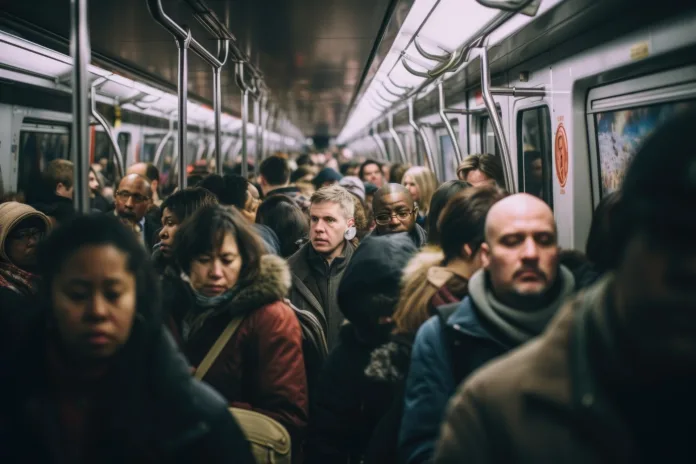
217	347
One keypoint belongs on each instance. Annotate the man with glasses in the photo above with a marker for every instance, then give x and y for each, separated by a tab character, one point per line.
133	199
396	212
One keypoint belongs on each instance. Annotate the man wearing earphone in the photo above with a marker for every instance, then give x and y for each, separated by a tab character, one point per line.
318	266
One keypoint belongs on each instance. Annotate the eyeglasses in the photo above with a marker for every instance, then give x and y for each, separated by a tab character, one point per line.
384	218
137	198
26	234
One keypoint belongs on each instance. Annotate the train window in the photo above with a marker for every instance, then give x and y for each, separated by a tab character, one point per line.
448	160
620	133
534	153
488	141
38	146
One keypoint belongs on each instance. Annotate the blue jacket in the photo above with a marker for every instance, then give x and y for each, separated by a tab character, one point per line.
431	379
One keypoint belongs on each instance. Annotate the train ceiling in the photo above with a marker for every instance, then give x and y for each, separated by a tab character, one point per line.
314	54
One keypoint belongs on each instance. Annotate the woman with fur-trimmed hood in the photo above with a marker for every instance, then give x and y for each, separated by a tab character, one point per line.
224	275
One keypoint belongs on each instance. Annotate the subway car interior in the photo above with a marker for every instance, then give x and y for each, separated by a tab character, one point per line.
561	95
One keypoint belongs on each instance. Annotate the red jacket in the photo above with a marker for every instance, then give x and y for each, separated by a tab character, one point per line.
261	368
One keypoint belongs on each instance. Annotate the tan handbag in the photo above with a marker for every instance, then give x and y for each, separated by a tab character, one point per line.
270	441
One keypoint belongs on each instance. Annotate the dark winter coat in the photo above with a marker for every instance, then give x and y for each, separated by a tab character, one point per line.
418	235
315	285
172	418
261	368
349	404
569	396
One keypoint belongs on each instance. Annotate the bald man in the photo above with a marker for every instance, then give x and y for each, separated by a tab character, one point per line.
511	300
151	173
133	198
396	212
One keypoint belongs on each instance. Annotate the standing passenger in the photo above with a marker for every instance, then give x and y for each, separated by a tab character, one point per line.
371	171
225	275
481	169
97	379
275	180
510	301
613	378
318	266
395	211
133	199
421	184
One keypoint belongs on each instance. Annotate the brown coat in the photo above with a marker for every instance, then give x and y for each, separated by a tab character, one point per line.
540	403
261	368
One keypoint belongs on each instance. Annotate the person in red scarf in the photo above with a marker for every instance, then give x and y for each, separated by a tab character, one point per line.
21	228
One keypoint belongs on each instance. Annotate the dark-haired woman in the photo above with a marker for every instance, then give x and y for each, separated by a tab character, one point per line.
440	198
282	215
225	275
99	379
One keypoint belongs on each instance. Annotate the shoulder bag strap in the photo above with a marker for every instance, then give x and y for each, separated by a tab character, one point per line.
217	347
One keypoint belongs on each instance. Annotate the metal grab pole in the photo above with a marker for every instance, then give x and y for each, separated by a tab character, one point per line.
120	168
217	103
80	51
395	136
420	131
163	143
448	125
245	117
496	121
257	134
264	121
183	45
380	143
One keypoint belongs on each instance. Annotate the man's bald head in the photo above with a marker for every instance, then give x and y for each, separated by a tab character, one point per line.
394	209
519	205
521	250
148	171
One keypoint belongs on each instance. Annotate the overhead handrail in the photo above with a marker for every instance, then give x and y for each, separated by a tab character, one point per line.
389	91
421	131
107	127
404	62
525	7
223	53
80	51
396	138
431	56
383	98
402	87
163	143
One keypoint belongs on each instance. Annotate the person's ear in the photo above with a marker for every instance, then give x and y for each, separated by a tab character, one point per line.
351	222
485	255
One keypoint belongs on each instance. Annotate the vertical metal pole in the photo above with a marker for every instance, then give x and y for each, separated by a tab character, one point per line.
245	118
80	51
257	133
395	137
217	104
420	131
448	125
496	121
264	122
183	46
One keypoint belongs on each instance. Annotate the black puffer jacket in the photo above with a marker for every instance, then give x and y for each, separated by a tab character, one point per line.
348	405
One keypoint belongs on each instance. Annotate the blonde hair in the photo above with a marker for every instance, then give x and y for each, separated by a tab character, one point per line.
335	194
413	309
427	184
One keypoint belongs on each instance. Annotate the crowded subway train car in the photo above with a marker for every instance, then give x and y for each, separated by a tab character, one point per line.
347	231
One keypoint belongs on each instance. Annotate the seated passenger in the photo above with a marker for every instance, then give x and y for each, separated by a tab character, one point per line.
430	279
613	377
225	275
347	407
440	198
395	212
97	379
421	184
286	220
510	301
481	169
318	266
21	228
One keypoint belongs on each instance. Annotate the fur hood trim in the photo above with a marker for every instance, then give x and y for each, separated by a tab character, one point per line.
418	266
271	284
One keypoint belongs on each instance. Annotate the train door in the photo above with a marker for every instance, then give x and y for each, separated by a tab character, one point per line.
40	142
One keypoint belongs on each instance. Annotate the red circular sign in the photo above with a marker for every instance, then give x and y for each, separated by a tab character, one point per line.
561	155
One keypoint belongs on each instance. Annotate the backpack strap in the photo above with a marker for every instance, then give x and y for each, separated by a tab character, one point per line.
220	343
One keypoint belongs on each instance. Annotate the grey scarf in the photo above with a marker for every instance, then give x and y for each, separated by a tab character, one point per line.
517	325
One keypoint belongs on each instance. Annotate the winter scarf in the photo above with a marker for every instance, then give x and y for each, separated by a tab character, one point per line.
16	279
517	325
